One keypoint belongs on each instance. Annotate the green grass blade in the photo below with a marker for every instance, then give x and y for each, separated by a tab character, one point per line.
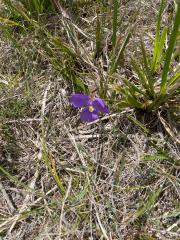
170	49
161	44
13	178
157	156
51	169
138	123
157	37
19	8
132	100
129	95
133	87
147	69
8	21
173	90
148	205
140	73
37	6
115	16
159	55
98	38
175	77
58	43
115	62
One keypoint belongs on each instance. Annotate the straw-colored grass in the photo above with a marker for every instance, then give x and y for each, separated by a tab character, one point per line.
116	178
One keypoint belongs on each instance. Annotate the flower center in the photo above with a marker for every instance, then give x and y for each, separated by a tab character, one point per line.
91	109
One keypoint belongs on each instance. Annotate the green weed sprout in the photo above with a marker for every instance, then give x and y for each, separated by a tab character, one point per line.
150	93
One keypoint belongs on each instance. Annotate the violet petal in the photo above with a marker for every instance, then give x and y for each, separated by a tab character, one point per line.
100	106
79	100
87	116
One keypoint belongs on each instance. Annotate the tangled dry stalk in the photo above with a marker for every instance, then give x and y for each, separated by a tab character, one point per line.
61	179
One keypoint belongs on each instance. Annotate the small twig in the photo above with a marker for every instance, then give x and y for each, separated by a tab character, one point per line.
18	216
44	103
25	204
89	136
99	220
40	198
103	118
111	116
5	195
62	208
25	120
73	141
168	129
173	226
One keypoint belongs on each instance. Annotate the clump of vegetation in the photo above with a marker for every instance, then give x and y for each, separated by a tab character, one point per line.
157	81
113	175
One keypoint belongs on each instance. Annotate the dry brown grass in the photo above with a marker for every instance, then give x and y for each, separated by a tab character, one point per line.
119	181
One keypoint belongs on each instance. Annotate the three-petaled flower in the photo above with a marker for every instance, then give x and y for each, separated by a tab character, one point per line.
90	107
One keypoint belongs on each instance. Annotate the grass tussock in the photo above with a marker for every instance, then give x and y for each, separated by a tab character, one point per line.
117	177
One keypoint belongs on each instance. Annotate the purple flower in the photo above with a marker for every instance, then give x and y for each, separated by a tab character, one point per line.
91	107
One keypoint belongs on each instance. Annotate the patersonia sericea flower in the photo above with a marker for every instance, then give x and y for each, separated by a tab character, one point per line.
90	106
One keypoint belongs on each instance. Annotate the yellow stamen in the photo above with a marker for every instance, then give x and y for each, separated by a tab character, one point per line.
91	109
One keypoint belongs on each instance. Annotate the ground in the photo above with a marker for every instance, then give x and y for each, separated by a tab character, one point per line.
116	178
